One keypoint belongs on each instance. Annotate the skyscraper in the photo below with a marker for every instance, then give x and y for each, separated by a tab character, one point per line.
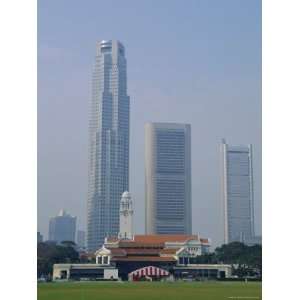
108	143
168	178
237	185
81	238
62	227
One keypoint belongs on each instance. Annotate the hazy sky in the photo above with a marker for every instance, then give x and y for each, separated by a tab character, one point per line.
196	62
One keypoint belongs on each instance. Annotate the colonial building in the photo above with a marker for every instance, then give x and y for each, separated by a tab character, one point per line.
156	256
164	251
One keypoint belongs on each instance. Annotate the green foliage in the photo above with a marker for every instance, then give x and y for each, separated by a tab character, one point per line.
207	258
51	253
246	260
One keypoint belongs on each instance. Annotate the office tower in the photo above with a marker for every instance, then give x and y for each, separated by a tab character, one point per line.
126	217
108	143
237	185
39	237
80	238
62	227
168	178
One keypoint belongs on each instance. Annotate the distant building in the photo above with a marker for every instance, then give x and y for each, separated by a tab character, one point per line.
256	240
237	184
39	237
62	227
81	239
168	178
108	142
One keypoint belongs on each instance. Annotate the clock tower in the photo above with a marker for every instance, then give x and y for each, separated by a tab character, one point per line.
126	215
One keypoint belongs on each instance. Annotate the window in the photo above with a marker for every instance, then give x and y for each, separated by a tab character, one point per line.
105	260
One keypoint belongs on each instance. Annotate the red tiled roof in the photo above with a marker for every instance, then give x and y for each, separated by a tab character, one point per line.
169	251
144	258
141	251
134	244
205	241
117	251
163	238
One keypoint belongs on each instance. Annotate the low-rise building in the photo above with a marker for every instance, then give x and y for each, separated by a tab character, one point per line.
84	271
162	251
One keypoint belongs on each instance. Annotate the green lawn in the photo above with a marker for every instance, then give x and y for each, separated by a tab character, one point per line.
149	291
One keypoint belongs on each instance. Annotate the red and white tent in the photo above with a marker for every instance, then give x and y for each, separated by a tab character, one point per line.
149	271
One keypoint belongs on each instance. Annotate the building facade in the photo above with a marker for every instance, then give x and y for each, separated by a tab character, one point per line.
62	227
81	239
237	186
108	142
168	178
161	250
126	217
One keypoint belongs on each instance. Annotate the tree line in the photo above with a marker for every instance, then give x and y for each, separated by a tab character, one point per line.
245	260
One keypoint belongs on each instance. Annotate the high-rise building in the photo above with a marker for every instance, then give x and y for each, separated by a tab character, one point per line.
62	227
168	178
237	186
108	143
39	237
81	238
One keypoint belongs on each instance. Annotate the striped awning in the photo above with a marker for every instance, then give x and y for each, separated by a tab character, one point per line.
149	271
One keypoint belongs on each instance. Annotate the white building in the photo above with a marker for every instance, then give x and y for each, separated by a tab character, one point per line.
83	271
126	217
108	142
237	186
168	178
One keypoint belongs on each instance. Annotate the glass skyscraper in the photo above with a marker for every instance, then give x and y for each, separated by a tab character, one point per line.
237	185
168	178
108	142
62	227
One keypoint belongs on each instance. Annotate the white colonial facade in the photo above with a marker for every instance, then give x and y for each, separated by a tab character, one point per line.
126	217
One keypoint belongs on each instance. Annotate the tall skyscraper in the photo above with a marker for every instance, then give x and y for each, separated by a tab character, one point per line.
168	178
108	143
62	227
237	185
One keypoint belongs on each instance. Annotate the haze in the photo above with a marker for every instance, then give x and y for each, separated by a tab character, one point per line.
196	62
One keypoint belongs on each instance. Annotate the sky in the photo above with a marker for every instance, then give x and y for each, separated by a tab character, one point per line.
194	61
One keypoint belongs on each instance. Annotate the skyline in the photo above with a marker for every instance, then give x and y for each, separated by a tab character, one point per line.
216	87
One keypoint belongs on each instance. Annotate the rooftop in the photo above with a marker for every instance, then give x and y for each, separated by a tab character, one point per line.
144	258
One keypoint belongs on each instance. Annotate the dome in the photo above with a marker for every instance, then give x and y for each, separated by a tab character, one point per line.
126	194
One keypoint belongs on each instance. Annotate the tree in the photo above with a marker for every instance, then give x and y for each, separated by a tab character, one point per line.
51	253
245	260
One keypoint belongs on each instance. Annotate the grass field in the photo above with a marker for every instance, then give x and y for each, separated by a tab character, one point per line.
149	291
